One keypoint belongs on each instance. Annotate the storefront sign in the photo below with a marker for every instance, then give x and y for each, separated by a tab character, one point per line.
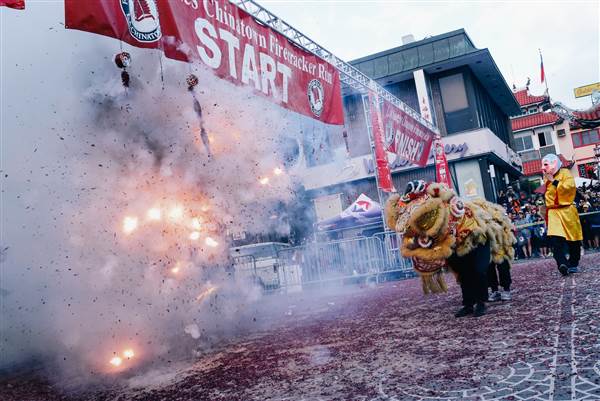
450	150
586	90
226	39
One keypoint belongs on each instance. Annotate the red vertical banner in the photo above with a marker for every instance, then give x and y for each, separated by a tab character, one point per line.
383	169
442	173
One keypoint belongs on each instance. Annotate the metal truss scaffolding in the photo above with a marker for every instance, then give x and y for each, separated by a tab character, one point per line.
348	74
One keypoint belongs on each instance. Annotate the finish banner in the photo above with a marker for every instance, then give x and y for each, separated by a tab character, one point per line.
226	39
405	137
384	176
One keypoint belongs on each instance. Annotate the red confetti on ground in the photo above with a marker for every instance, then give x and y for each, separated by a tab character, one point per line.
389	342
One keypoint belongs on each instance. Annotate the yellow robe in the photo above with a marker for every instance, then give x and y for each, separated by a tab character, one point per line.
563	219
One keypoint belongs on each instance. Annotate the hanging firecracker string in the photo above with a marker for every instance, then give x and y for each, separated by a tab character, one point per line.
192	82
123	60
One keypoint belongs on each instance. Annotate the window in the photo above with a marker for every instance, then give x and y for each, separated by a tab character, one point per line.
588	170
454	95
545	138
523	143
585	138
532	110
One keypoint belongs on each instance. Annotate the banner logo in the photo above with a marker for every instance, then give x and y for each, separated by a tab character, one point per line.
316	96
142	19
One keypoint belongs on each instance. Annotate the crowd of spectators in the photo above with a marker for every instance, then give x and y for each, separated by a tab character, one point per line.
526	212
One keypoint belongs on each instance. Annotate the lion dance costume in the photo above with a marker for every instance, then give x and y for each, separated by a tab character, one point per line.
441	230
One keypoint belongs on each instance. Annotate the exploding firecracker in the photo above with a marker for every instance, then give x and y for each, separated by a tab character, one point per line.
129	224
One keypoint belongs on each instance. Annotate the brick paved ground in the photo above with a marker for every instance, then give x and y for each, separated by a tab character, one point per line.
389	342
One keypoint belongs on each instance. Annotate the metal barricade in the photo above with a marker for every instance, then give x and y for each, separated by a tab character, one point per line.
345	261
342	260
394	261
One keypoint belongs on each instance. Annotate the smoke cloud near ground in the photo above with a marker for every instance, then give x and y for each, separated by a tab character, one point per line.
114	218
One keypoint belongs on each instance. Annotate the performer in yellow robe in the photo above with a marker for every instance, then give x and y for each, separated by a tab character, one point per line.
564	227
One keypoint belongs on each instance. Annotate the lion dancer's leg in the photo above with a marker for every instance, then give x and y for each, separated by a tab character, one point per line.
472	274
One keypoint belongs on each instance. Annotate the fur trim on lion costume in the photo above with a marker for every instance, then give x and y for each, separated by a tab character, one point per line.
435	223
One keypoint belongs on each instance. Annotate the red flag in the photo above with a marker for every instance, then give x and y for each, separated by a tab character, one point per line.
542	75
383	169
17	4
442	172
229	41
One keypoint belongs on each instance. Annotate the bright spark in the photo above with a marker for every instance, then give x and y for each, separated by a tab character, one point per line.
154	214
129	224
196	225
128	353
277	171
195	235
205	293
211	242
175	270
116	361
264	181
176	213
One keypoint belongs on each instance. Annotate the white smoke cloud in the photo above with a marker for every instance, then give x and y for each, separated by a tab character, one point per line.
80	284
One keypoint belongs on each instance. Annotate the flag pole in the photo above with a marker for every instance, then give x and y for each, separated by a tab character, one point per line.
543	73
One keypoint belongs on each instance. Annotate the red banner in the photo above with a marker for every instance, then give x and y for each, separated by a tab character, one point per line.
442	173
18	4
406	137
383	168
226	39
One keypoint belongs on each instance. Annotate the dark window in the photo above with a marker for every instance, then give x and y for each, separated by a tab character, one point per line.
457	114
380	67
411	58
585	138
523	143
545	138
426	54
454	95
441	50
396	62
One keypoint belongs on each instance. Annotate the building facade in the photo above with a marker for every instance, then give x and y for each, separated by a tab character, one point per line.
457	87
537	132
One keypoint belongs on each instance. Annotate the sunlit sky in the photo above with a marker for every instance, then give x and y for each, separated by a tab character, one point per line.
567	32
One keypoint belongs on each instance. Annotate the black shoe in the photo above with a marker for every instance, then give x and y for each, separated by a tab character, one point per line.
563	270
479	309
464	311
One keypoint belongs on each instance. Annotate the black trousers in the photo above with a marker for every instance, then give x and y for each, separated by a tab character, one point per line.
503	271
472	271
560	247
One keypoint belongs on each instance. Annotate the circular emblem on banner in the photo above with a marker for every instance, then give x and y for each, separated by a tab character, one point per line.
316	97
142	19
